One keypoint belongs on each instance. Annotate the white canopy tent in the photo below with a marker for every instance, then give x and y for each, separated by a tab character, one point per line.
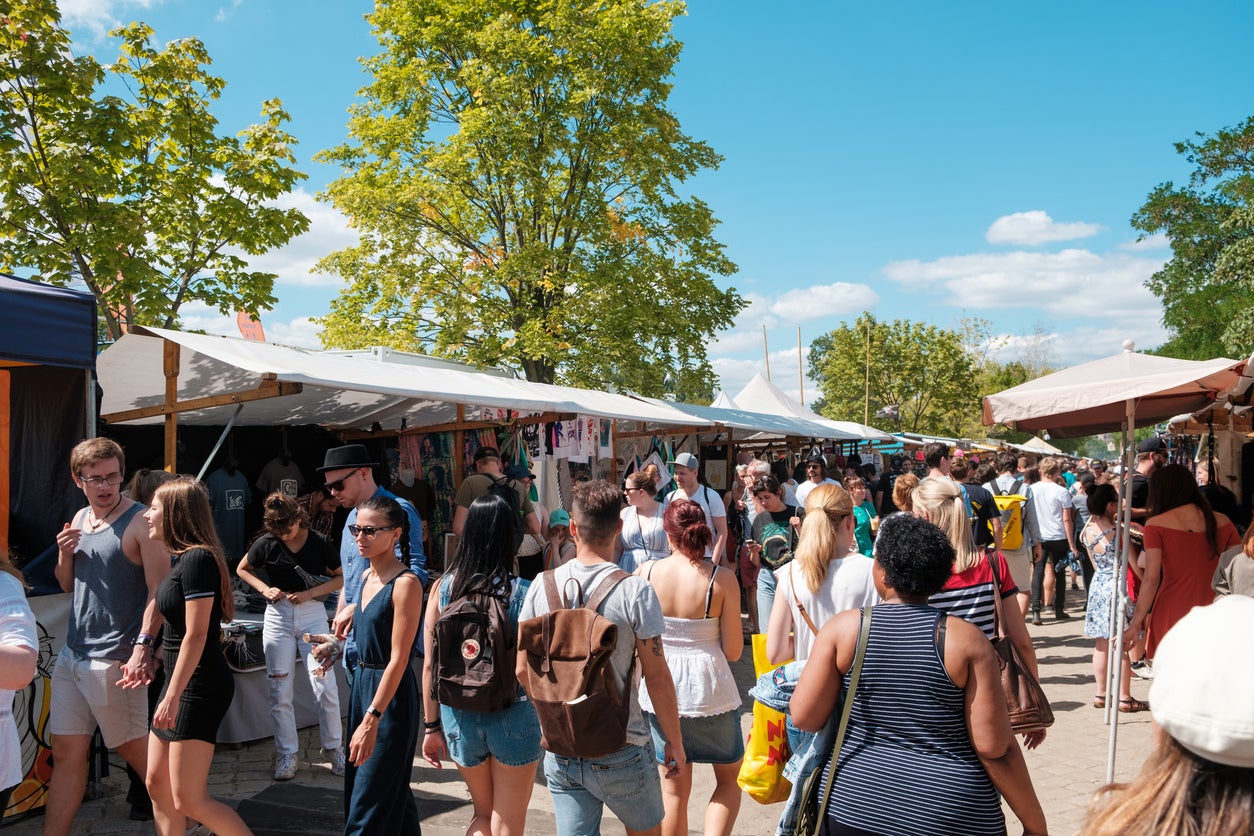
1037	445
1102	396
761	395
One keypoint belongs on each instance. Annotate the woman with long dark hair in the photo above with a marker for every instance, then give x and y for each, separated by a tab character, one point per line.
384	712
701	608
194	599
1102	538
495	752
1183	541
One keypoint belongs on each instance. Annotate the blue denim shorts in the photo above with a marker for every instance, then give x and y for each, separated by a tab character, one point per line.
511	736
626	781
715	739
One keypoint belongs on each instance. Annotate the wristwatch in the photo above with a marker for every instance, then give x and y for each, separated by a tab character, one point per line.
374	712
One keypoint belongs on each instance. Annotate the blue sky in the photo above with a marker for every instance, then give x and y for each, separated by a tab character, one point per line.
915	159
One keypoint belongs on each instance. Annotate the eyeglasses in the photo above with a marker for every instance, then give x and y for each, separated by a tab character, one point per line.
814	467
369	531
101	481
338	484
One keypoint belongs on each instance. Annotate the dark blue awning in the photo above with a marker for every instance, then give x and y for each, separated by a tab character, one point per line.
51	326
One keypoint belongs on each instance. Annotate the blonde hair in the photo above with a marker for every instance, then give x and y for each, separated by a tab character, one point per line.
1176	793
1050	467
940	502
827	508
645	479
903	489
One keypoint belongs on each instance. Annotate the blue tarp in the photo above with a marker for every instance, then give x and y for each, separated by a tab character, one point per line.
51	326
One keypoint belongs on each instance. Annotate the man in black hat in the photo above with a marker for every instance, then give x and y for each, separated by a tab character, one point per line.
1151	454
816	474
349	475
487	471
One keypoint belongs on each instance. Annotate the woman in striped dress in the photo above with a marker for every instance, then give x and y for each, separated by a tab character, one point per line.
928	746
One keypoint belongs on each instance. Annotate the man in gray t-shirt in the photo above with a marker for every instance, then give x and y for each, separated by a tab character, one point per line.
625	780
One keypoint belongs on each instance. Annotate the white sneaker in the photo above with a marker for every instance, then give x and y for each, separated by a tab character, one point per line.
285	767
337	760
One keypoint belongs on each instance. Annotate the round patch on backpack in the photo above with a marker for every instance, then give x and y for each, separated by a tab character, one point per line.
470	649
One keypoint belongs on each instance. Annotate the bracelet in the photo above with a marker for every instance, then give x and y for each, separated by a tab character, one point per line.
436	730
434	724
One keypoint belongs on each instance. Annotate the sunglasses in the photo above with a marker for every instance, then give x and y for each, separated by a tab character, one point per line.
338	484
369	531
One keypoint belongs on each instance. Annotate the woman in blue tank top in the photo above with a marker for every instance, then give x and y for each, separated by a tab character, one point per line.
915	758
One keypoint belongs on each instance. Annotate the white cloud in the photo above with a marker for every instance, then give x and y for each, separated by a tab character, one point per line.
96	17
1074	282
1082	343
294	263
1157	241
224	12
818	301
1036	227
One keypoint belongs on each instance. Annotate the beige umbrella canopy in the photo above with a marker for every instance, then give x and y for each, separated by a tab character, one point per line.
1094	397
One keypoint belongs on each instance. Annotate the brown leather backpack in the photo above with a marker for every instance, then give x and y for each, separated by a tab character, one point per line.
569	676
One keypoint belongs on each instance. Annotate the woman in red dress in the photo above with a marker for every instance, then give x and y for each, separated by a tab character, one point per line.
1183	541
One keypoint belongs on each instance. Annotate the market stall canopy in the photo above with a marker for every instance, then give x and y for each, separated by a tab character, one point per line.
761	395
45	325
326	388
1093	397
1037	445
741	419
723	401
1224	417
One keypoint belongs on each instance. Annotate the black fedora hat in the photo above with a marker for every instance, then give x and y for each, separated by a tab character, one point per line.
350	455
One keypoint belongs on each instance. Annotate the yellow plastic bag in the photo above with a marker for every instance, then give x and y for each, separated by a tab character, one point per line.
766	751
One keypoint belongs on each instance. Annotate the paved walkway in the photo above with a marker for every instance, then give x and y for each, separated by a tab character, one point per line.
1068	768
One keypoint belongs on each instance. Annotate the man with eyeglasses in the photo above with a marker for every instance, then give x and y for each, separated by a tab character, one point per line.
349	475
112	568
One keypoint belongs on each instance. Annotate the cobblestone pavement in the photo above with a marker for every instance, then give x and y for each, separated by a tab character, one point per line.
1066	770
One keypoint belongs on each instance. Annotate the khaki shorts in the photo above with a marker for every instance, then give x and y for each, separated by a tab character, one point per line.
1020	563
85	694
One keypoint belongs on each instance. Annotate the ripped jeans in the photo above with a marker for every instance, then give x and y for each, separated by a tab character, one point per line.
284	625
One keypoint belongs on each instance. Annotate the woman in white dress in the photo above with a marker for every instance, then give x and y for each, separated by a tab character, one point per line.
643	537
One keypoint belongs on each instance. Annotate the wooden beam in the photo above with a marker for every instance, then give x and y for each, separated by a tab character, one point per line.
544	418
459	447
267	389
170	362
717	428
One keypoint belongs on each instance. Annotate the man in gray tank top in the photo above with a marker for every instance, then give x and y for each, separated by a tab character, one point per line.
106	558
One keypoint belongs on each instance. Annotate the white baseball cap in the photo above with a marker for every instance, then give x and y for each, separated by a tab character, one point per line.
1203	690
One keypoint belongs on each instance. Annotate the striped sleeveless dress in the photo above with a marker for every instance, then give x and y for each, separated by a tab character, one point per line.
907	765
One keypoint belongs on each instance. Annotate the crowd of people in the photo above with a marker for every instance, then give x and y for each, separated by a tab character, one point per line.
879	591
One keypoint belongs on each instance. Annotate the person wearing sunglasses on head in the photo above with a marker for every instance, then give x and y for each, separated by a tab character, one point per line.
348	472
302	569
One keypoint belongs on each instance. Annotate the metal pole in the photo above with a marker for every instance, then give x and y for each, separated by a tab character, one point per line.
1121	572
801	380
766	354
216	447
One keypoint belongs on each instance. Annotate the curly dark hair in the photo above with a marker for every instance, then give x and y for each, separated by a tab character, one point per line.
916	556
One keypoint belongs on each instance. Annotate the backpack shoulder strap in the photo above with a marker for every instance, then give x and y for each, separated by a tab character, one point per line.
709	591
550	592
611	580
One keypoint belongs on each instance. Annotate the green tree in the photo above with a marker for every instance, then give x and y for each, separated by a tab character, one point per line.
513	171
1206	288
115	175
922	370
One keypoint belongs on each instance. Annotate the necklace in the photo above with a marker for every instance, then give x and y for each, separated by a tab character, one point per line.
102	521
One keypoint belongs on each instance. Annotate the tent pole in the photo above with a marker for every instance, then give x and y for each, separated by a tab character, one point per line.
459	447
1114	655
218	446
170	363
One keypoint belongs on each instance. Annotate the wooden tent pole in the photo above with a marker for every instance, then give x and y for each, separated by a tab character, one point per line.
170	362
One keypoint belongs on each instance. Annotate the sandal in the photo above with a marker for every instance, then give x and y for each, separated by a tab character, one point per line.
1099	701
1131	705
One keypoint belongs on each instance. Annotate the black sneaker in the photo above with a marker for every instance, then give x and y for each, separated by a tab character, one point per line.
1036	618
